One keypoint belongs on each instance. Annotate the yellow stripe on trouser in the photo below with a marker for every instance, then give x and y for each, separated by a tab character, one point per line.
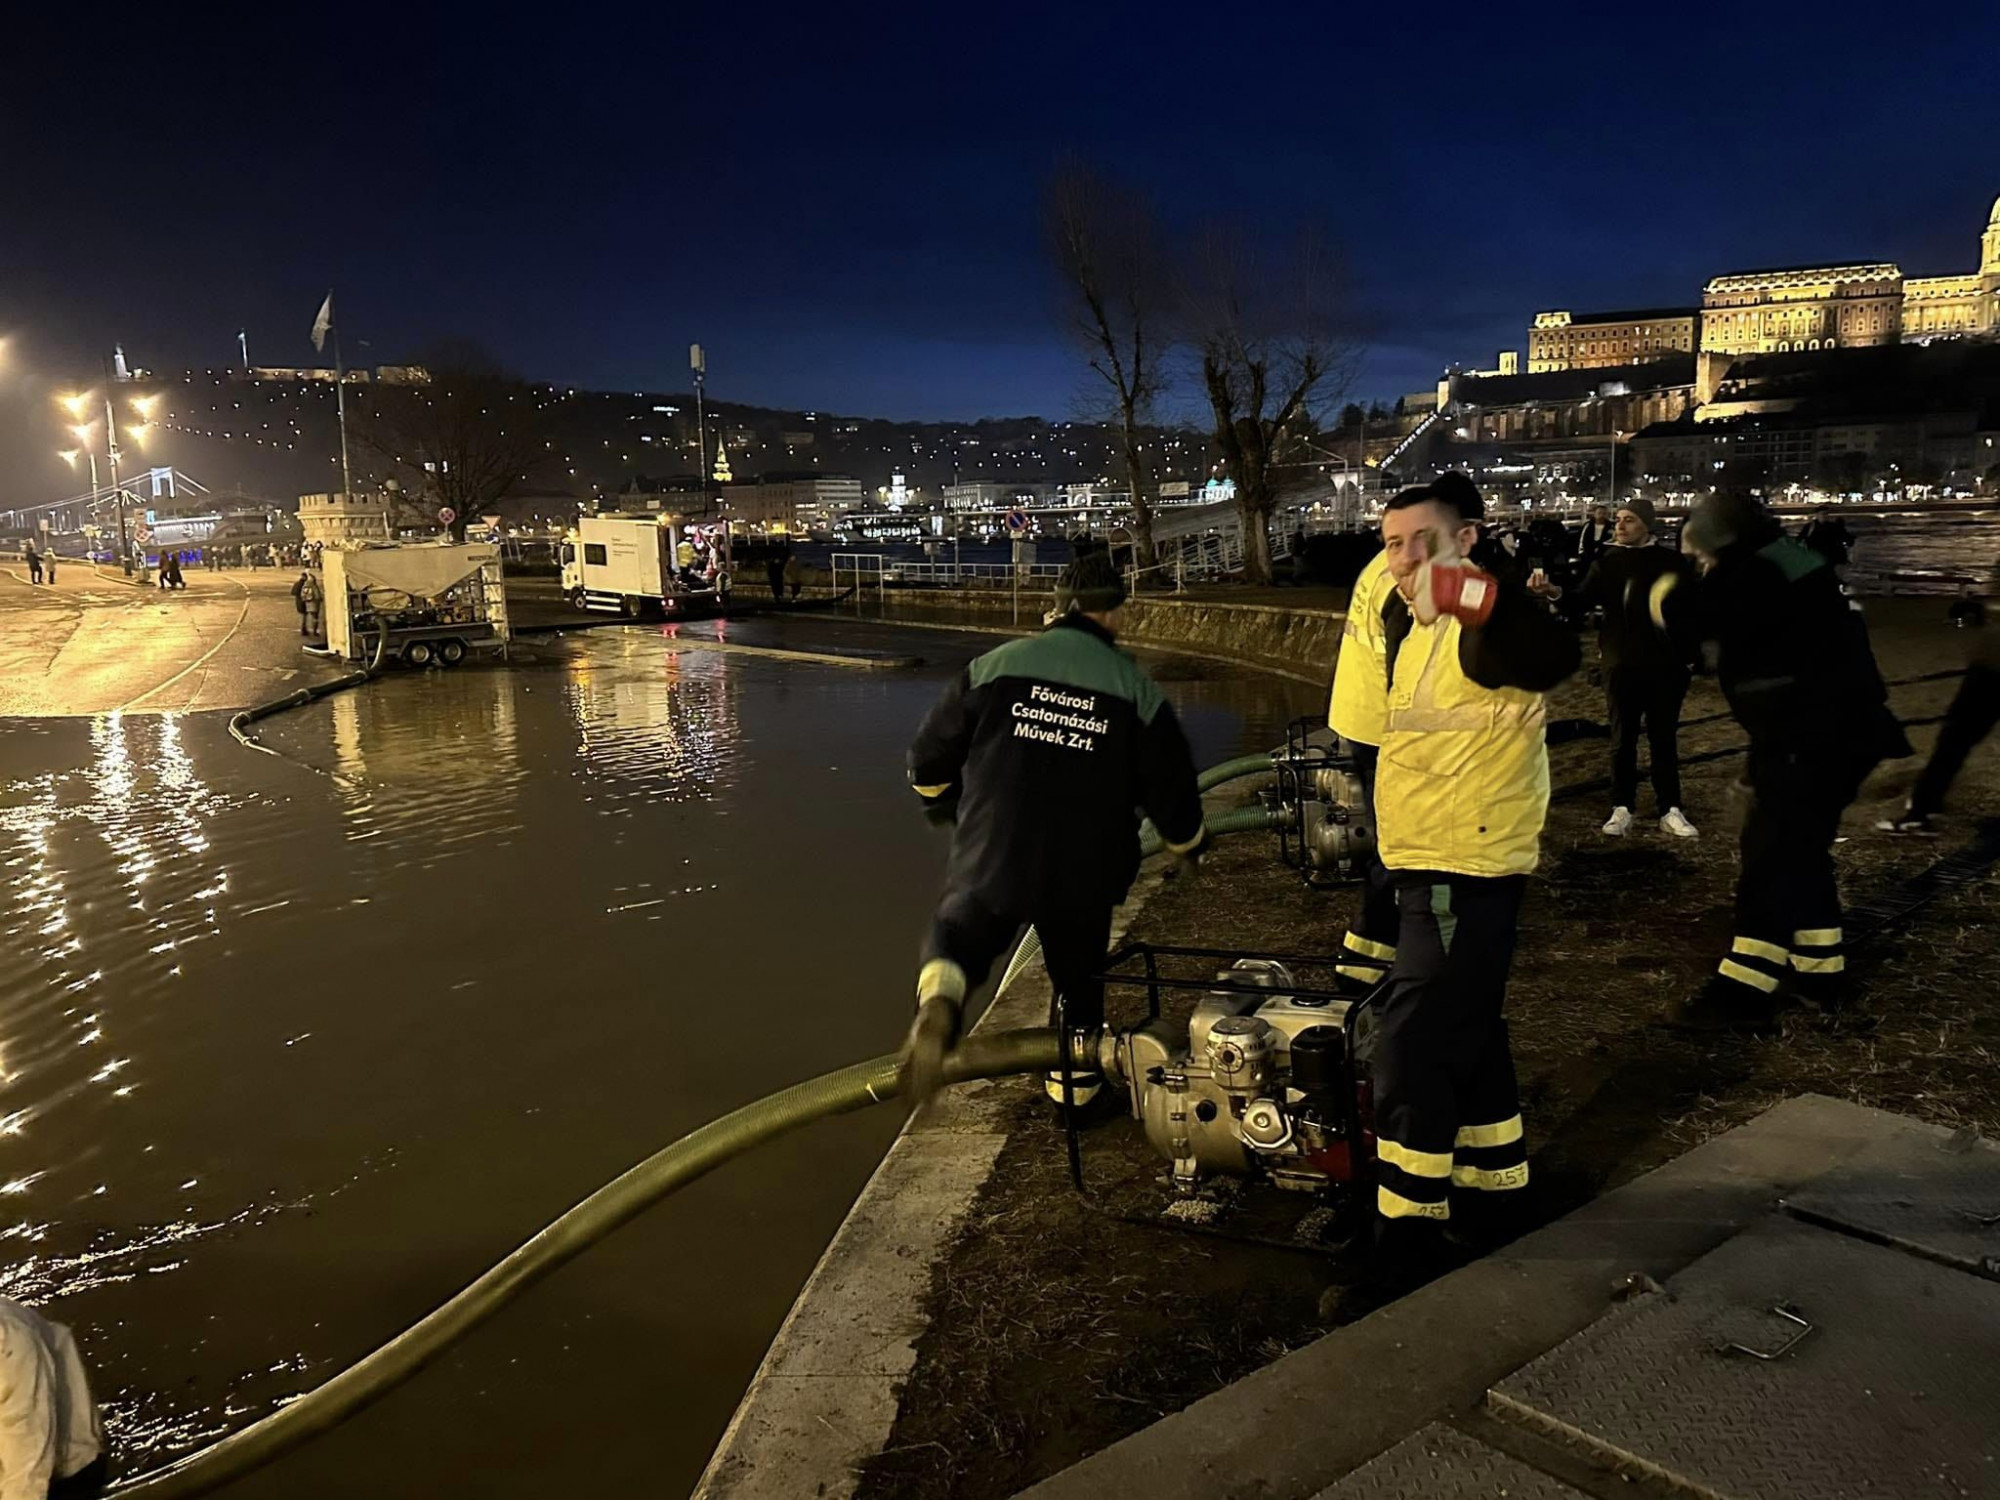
1491	1180
1743	974
1391	1204
1416	1163
1354	942
1505	1133
1829	960
940	977
1758	948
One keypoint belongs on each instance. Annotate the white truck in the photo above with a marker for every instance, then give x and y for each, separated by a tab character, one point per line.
635	565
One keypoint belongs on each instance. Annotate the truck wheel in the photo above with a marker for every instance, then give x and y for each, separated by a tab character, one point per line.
451	652
575	597
634	607
417	653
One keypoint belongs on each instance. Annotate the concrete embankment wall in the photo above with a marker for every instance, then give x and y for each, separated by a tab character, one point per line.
1298	643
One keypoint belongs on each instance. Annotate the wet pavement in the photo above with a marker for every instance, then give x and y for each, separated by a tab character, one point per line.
293	1047
94	643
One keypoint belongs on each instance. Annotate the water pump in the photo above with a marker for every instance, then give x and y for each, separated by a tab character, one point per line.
1327	830
1262	1083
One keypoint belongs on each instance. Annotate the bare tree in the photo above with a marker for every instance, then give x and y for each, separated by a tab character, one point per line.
1263	324
1105	242
465	441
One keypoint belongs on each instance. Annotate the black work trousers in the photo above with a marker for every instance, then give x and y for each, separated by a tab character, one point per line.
1650	696
1446	1110
1372	933
1787	897
1971	717
1074	937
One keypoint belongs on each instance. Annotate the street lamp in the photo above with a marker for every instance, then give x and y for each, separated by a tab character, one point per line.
77	405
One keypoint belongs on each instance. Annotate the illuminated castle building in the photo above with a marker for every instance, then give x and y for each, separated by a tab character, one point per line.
1795	309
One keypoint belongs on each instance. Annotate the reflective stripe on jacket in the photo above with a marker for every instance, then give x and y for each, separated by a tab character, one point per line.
1359	709
1463	782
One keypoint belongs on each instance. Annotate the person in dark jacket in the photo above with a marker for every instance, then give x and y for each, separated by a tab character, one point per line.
1045	746
1792	655
1645	669
1828	535
1595	536
1973	715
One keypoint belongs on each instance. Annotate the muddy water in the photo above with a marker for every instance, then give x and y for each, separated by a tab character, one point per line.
294	1047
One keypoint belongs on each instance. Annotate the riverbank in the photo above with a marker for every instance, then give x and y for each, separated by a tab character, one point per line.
1058	1324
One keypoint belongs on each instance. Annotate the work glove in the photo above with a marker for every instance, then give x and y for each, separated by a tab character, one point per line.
1447	584
932	1035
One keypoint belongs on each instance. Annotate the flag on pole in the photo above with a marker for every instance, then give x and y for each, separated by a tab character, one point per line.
323	324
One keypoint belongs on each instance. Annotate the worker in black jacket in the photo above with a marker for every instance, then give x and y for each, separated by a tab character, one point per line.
1792	655
1049	746
1645	669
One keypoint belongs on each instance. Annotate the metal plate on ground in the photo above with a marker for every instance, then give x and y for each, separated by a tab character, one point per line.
1894	1391
1934	1195
1442	1463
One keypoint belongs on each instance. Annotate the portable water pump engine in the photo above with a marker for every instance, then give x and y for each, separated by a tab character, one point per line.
1263	1085
1328	832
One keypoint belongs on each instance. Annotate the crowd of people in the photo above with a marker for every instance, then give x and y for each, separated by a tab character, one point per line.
1041	750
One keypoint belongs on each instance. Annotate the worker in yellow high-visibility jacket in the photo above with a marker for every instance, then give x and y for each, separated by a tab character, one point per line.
1461	793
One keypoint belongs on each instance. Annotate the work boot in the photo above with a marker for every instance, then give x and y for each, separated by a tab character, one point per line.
1619	823
1091	1101
1826	993
1397	1258
1484	1221
1723	1005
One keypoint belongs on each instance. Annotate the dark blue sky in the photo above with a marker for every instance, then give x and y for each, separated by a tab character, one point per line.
840	201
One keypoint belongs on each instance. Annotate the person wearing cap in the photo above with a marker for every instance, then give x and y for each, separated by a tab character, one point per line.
1792	656
1045	747
1462	791
1645	669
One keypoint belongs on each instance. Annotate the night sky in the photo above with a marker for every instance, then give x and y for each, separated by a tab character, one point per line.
841	201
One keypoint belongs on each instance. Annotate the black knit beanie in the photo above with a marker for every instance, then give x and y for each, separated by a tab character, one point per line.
1091	584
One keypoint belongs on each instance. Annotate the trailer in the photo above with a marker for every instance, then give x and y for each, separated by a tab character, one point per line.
636	565
422	603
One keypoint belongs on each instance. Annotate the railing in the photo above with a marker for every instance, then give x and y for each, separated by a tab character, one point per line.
961	575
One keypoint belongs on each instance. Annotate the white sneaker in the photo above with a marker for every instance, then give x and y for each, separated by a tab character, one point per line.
1676	823
1619	823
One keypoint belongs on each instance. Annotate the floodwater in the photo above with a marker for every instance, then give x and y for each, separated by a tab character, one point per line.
291	1048
1931	554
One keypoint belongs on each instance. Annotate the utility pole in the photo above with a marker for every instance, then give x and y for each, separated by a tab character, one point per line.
111	445
243	343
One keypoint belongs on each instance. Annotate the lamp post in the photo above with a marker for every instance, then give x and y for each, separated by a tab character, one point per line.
77	406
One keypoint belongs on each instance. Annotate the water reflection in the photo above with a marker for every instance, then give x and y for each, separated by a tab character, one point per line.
426	765
652	725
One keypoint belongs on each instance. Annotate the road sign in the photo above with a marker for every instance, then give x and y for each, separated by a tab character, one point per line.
447	515
1017	521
